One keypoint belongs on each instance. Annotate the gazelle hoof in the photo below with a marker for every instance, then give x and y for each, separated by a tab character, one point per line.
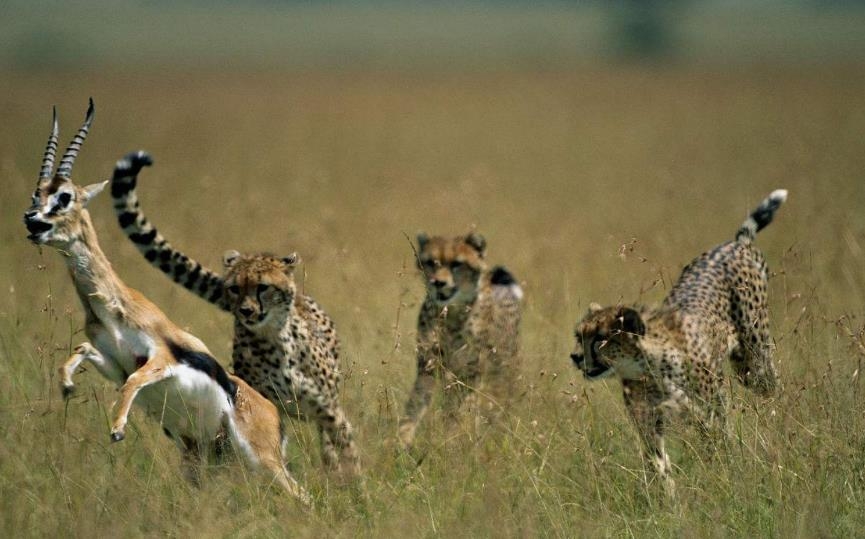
117	436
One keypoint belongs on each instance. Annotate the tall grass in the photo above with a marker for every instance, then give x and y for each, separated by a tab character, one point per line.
590	186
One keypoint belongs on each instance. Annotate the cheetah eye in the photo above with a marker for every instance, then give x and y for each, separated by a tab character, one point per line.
262	288
234	289
457	265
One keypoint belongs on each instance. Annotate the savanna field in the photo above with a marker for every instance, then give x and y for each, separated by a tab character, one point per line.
590	184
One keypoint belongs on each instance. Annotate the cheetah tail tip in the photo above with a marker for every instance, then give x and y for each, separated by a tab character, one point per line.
779	195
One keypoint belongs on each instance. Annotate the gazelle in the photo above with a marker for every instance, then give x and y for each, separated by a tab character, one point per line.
169	372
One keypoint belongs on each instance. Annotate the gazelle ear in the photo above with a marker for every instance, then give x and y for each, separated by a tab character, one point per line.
631	321
90	191
229	258
422	240
291	260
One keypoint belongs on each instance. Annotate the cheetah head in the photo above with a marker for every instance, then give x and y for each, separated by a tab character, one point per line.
451	267
260	288
607	342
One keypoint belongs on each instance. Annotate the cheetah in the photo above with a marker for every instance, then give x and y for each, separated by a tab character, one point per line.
669	359
285	345
467	327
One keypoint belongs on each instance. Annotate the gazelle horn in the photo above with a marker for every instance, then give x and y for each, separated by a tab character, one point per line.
65	168
50	150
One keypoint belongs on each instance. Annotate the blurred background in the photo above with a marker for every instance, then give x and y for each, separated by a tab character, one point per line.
599	146
418	36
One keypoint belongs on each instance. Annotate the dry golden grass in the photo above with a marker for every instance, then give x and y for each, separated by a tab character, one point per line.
595	185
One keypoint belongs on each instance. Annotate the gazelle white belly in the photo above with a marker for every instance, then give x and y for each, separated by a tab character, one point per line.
189	403
122	346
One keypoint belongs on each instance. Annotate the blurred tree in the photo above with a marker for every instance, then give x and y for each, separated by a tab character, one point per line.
50	49
644	29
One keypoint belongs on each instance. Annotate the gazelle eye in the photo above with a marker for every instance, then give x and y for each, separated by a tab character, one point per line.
64	199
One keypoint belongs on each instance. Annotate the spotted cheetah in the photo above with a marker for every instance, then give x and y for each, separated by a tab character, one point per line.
285	345
467	327
669	359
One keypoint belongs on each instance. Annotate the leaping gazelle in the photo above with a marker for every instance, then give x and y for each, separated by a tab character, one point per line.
169	372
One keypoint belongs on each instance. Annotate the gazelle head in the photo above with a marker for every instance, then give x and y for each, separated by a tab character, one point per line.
56	213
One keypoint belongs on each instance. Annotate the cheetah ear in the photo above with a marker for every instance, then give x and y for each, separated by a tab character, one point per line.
631	321
422	240
594	307
229	258
291	261
478	242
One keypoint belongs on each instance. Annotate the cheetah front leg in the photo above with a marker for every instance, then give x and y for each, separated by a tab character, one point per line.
329	456
337	437
418	402
337	434
498	377
649	415
713	423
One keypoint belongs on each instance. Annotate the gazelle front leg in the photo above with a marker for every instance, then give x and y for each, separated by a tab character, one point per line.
86	352
151	372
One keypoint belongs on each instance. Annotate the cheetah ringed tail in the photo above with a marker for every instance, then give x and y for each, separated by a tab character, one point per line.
761	216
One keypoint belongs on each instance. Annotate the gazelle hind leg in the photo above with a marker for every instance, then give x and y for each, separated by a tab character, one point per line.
191	461
255	431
